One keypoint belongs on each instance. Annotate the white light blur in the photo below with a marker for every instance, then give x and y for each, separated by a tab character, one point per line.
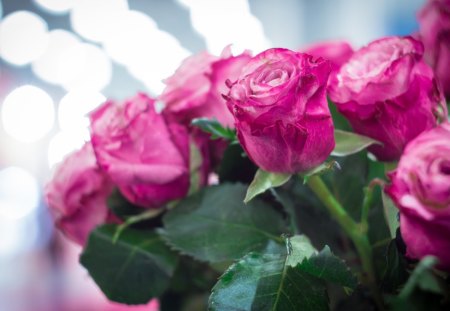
28	113
224	22
64	143
85	66
126	35
56	6
49	66
23	37
92	19
18	235
19	193
149	53
160	63
74	107
370	14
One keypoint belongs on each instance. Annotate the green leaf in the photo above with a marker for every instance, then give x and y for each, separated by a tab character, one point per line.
424	290
236	166
121	207
133	220
215	225
298	248
348	143
423	278
395	273
290	278
214	128
325	265
263	181
135	269
264	281
308	216
319	170
378	228
390	214
347	184
357	300
339	121
191	282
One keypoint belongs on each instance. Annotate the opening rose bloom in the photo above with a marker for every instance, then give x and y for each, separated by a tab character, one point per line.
281	112
388	93
144	154
77	195
434	21
420	187
196	88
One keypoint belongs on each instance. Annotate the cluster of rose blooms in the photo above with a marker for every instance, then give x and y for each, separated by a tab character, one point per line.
391	90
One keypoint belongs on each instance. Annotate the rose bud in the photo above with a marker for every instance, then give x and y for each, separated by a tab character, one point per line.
388	93
434	22
420	188
337	52
195	90
77	194
144	154
281	112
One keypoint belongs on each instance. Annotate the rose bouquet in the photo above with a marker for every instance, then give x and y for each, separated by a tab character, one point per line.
289	180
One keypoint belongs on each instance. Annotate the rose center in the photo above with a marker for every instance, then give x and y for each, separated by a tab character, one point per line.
275	77
445	168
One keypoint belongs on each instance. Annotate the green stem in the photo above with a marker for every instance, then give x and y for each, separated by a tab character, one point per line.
333	206
353	231
367	202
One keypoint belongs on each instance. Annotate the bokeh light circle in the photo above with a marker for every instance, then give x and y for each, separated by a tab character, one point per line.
23	37
28	113
74	107
86	66
50	66
56	6
19	193
93	19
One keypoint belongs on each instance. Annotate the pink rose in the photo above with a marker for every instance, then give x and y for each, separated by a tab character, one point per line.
281	112
337	52
420	187
196	88
434	20
77	195
144	154
388	93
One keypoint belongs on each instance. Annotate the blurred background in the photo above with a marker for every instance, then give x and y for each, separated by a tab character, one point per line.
59	59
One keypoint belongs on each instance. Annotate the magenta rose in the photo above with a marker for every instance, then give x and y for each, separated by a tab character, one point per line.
337	52
388	93
281	112
77	194
144	154
434	21
420	188
196	88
